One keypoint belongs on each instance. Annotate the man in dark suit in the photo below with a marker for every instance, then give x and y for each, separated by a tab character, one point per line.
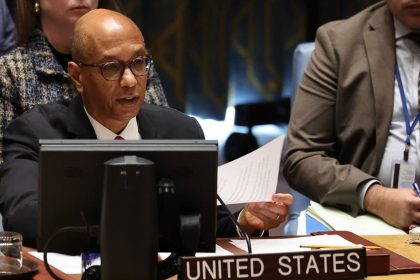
109	71
347	133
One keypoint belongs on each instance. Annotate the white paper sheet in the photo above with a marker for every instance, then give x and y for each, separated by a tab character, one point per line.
365	224
253	177
65	263
283	245
219	252
301	228
73	264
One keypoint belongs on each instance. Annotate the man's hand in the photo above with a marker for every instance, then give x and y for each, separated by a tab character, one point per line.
398	207
266	215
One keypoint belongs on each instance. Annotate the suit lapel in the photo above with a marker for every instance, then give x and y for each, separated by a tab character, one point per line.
146	128
78	123
381	57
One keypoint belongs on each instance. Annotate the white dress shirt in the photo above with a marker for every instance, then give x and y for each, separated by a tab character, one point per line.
130	132
408	59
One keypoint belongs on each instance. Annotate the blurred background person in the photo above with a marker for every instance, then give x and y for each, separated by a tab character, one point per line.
349	142
7	29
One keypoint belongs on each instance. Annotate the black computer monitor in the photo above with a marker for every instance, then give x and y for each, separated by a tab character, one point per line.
71	182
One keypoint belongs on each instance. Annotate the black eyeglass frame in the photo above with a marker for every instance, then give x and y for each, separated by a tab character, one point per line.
147	58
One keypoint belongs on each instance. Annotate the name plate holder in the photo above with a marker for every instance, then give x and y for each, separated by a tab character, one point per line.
379	262
314	264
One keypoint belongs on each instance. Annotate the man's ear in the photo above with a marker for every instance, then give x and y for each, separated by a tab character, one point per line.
75	74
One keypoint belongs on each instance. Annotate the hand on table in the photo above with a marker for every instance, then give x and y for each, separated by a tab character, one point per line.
398	207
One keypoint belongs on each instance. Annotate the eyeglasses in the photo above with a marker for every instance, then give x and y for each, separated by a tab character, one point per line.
113	70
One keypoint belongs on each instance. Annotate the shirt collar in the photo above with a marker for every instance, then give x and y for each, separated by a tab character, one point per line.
400	29
130	132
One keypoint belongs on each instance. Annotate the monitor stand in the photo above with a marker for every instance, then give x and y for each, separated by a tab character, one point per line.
190	227
128	239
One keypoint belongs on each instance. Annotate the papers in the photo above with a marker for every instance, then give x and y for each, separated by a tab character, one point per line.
65	263
253	177
73	264
301	228
362	225
219	252
284	245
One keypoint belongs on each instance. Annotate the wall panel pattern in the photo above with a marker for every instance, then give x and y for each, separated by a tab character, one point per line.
214	53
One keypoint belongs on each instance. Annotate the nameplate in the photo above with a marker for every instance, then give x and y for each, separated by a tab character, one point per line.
315	264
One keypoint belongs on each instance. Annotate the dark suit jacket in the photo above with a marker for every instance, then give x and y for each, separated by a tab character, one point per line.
19	173
343	109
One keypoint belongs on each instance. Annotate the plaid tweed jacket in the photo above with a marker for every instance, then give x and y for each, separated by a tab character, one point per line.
30	75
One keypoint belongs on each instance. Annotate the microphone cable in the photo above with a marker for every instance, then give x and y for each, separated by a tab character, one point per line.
64	230
88	231
233	219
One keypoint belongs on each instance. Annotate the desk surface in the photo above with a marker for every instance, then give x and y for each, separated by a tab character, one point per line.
396	243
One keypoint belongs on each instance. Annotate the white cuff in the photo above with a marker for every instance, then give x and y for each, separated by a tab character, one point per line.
238	232
362	190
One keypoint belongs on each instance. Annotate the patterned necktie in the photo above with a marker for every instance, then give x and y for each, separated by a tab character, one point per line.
415	37
118	138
